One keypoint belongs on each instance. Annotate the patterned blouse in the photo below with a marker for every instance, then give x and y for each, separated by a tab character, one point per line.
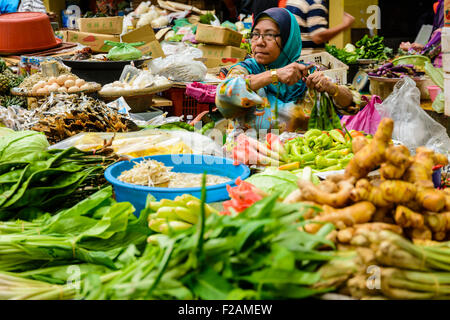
258	110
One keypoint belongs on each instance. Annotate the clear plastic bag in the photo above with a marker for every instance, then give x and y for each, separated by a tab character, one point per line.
180	67
412	125
145	142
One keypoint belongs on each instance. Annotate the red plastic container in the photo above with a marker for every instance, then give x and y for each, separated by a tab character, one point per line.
183	104
23	32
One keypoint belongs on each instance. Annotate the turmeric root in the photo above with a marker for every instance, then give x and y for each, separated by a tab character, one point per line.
311	192
407	218
373	154
360	212
398	159
438	222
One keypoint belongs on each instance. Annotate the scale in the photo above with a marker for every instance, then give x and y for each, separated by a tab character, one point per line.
361	81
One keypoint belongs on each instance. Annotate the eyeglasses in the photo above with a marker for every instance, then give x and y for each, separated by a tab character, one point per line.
254	36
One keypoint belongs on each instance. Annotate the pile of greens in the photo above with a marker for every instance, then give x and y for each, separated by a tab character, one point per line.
33	179
372	48
366	48
95	231
258	254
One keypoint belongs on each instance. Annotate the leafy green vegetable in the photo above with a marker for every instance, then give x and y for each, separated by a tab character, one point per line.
77	234
18	144
273	180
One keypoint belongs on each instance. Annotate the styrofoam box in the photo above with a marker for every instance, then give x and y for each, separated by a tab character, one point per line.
445	42
447	93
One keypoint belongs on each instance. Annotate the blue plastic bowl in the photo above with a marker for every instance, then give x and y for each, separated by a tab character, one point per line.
189	163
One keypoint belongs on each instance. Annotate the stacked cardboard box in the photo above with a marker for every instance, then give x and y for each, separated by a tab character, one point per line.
220	46
94	31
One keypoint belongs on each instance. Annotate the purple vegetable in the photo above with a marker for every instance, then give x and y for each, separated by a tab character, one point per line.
387	65
372	74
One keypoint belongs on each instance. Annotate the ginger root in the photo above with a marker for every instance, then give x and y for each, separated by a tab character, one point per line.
438	222
421	168
311	192
365	191
328	186
398	159
346	235
420	234
407	218
372	154
358	143
431	199
397	191
360	212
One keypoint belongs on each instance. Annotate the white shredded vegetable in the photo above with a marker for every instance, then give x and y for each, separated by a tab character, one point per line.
152	173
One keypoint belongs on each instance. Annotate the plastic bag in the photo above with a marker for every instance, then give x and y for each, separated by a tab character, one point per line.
145	142
367	119
412	125
204	93
439	103
179	67
124	51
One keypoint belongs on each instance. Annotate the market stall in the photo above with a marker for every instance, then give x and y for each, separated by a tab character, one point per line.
118	159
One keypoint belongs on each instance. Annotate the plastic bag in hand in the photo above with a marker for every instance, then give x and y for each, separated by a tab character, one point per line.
412	125
366	120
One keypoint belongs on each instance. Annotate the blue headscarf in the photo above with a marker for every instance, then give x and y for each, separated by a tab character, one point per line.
291	50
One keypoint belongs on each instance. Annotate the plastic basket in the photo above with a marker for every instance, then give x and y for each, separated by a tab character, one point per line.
338	69
183	104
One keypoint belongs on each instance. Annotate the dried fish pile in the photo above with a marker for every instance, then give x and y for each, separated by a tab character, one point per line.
62	115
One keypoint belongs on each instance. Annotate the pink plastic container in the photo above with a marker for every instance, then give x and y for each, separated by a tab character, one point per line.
434	91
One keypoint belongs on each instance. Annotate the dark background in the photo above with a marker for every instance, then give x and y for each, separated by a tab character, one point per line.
401	19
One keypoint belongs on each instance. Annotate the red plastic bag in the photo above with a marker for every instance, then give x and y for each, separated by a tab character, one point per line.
367	119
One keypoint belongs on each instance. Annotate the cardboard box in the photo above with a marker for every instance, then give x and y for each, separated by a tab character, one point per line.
146	34
95	41
218	62
106	25
218	52
217	35
447	13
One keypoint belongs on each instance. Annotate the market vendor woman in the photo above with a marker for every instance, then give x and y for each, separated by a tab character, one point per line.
269	90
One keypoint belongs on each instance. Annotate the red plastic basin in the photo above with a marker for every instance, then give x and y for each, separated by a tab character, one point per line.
22	32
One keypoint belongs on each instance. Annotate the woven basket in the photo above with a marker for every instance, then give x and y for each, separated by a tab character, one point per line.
338	70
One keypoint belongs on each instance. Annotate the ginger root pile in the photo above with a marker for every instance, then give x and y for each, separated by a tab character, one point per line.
403	199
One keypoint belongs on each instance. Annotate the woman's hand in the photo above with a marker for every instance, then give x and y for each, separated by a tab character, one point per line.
320	83
292	73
